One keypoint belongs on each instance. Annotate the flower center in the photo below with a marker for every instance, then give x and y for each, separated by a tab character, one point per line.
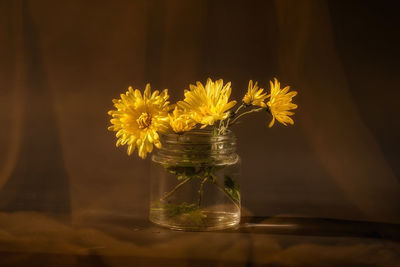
144	120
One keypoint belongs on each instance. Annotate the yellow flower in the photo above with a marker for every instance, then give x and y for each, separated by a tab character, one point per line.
208	104
138	119
280	103
254	95
181	121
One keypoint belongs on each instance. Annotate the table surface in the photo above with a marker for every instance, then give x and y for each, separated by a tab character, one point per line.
107	239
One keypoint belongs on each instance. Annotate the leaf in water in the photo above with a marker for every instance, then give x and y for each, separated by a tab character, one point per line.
182	172
190	213
174	210
232	188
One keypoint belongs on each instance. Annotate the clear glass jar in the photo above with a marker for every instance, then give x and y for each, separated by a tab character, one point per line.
195	182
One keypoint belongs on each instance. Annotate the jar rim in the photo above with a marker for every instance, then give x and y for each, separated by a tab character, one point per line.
197	136
197	147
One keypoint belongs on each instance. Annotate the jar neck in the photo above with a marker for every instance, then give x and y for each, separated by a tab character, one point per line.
197	147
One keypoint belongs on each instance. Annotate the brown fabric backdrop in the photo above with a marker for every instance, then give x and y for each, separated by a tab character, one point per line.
61	63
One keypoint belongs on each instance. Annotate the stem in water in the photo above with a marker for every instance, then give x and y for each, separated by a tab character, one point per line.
175	188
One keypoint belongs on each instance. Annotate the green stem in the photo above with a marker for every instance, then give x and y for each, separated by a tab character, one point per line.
237	110
175	188
201	190
220	187
245	113
215	131
223	129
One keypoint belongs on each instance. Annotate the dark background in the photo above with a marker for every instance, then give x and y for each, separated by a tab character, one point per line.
62	62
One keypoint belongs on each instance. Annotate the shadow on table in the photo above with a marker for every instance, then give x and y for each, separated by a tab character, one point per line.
319	227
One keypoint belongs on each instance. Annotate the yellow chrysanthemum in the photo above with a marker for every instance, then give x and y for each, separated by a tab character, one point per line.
138	119
254	95
208	104
280	103
180	121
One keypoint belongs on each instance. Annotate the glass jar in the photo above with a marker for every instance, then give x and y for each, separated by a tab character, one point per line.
195	182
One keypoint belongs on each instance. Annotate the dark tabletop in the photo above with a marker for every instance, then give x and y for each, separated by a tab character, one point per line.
102	239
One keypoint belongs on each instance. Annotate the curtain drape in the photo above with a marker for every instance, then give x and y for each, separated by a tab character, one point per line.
62	62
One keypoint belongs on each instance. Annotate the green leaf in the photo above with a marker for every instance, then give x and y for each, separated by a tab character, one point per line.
174	210
232	188
182	172
187	212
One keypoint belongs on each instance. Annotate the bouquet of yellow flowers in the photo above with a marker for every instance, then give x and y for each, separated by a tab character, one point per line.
140	121
138	118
